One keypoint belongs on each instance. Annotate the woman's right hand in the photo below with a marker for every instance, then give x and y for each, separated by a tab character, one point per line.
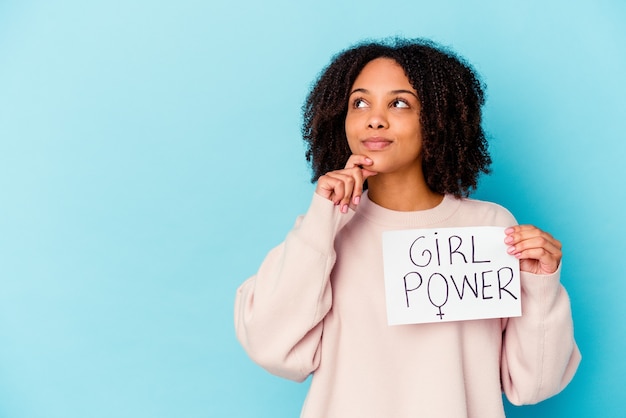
345	187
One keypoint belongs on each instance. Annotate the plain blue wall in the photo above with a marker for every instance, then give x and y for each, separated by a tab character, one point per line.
150	156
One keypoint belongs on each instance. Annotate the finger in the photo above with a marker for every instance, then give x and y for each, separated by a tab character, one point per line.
360	163
520	233
339	187
357	191
538	251
537	248
358	160
538	261
348	182
534	245
353	178
345	187
330	187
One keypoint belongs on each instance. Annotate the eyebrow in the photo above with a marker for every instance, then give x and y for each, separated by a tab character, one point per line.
366	91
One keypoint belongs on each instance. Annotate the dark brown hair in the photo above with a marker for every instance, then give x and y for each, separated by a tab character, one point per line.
451	96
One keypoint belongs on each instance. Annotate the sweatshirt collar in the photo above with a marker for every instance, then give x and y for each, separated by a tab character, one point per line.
416	219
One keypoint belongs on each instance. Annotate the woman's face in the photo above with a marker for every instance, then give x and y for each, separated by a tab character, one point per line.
383	119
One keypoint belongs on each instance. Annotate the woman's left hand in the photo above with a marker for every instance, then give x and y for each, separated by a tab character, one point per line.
538	251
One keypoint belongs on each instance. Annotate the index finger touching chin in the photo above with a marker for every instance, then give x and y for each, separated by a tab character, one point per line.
357	160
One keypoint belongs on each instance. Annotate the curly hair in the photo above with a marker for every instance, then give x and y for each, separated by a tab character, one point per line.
454	148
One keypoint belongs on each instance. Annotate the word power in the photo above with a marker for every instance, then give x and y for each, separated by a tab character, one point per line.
449	274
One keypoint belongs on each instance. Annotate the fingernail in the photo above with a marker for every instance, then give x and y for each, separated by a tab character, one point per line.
508	239
344	209
357	199
368	160
510	250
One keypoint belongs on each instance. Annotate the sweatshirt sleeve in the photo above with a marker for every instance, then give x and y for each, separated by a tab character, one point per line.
279	311
539	354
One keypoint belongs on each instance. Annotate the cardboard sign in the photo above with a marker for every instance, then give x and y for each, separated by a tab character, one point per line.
449	274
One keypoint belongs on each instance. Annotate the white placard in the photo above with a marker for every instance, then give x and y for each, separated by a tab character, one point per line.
449	274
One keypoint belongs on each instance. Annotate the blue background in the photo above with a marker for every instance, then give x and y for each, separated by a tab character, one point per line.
150	156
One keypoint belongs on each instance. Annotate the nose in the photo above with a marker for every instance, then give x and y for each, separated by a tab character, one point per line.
377	119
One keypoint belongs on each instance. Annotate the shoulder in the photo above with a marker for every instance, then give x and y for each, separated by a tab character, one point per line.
486	213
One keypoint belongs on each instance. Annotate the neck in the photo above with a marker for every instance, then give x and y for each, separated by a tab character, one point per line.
402	194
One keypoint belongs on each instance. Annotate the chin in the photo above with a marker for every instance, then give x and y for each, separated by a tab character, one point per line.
379	166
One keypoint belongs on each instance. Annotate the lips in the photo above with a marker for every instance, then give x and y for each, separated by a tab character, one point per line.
376	143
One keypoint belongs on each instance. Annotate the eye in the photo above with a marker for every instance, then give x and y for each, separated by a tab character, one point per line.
400	103
359	103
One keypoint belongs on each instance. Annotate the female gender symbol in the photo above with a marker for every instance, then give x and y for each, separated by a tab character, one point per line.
445	282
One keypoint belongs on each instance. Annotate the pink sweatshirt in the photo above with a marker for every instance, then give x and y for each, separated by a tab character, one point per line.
317	305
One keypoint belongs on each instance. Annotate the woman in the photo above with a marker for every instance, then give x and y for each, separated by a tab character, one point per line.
395	141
